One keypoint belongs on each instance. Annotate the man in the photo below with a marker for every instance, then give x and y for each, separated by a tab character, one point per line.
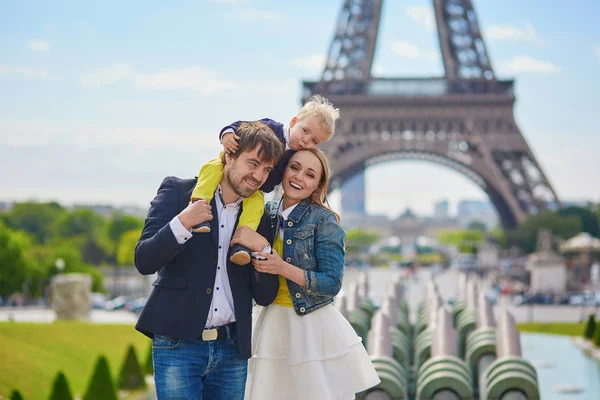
199	313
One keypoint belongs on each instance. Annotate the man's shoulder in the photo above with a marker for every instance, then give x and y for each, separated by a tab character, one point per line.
179	183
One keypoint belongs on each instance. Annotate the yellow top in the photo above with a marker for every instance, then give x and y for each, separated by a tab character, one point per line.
283	295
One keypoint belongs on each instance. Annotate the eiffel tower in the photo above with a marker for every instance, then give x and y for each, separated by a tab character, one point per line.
463	120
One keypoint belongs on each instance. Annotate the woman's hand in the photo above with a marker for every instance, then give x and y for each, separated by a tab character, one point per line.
272	265
247	237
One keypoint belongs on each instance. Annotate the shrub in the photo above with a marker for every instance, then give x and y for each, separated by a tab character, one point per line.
590	327
131	376
149	366
101	385
60	388
16	395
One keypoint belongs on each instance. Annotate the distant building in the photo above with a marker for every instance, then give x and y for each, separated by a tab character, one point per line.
477	211
5	206
379	224
441	209
408	226
353	195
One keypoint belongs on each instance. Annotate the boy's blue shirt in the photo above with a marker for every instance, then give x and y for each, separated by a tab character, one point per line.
276	175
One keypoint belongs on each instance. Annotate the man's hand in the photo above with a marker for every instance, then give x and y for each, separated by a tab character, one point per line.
247	237
230	143
195	213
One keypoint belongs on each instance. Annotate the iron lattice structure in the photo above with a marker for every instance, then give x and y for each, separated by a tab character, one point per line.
463	120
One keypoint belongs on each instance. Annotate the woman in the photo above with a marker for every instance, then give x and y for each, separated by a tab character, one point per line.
303	348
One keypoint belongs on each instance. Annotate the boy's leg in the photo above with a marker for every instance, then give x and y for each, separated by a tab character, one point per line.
208	180
252	211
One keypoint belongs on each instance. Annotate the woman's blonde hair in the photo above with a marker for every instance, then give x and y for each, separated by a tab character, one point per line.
319	196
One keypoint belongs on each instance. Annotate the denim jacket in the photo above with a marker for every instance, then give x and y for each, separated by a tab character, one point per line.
313	240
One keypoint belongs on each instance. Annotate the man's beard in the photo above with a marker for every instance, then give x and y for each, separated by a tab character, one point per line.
238	187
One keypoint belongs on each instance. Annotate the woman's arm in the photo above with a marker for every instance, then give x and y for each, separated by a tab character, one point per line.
329	249
327	277
273	264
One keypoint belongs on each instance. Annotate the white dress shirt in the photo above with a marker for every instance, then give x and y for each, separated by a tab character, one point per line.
284	215
221	310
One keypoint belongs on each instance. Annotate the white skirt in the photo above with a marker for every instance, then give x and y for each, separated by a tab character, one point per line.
317	356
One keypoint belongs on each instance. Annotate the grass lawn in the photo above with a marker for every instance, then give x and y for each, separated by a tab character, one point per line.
32	354
569	329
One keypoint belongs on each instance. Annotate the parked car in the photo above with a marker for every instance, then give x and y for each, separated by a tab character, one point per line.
117	303
97	300
136	305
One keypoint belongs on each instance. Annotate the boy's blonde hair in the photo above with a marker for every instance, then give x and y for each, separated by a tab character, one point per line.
318	106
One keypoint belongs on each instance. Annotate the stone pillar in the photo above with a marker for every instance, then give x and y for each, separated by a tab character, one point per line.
548	272
71	296
547	268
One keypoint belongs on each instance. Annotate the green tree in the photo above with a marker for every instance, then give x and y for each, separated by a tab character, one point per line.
16	395
83	221
589	220
101	385
121	223
131	376
498	234
37	219
477	226
126	249
597	336
525	235
60	388
467	241
590	327
13	264
149	366
358	239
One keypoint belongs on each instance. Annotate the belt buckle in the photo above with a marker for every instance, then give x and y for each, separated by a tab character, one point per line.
209	335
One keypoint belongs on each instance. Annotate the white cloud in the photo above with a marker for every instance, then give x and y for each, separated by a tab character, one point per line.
409	50
513	33
26	72
25	134
261	15
106	75
529	64
38	45
270	87
406	49
379	69
314	62
193	78
597	51
423	15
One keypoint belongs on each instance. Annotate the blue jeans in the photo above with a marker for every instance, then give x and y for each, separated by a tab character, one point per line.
198	370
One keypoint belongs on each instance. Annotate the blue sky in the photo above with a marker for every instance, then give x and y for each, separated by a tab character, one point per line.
99	101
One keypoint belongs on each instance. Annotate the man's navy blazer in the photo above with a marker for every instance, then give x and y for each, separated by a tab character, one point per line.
179	303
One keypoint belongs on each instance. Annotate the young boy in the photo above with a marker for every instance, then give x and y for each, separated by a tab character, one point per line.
314	124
